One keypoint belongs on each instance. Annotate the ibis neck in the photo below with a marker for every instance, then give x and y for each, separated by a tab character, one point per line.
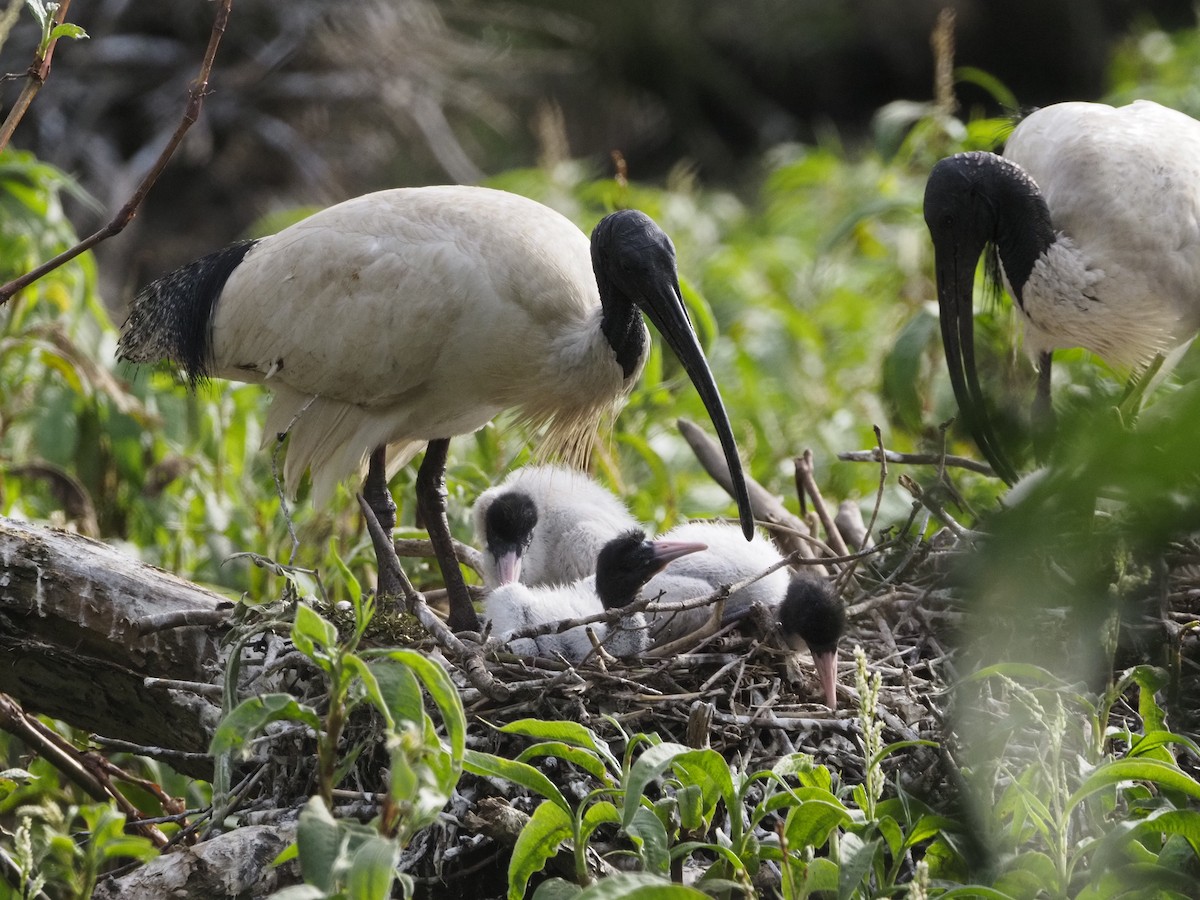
621	324
1023	230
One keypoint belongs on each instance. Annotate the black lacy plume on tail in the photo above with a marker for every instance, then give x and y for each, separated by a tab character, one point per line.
171	318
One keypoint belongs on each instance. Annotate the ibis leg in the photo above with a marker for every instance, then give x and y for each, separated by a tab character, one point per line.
376	493
1042	418
431	502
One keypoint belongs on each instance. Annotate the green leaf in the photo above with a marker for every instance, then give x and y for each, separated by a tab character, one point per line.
252	715
567	732
437	682
650	765
650	840
707	770
600	813
578	756
556	889
639	886
67	30
1112	773
903	367
1182	822
355	665
690	799
525	775
543	834
804	769
855	857
372	870
319	843
399	689
313	635
810	823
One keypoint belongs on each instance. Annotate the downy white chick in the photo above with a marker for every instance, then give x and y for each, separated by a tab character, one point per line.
623	566
546	525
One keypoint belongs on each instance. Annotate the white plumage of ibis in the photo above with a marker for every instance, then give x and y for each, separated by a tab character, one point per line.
729	559
812	615
623	566
546	525
1094	212
406	317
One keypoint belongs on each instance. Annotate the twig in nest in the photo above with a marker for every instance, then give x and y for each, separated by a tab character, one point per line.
806	485
191	112
423	549
391	573
936	508
916	459
766	506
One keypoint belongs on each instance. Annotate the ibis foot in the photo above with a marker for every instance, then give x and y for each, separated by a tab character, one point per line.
431	504
376	493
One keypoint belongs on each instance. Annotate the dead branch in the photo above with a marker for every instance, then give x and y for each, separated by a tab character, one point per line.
916	459
767	508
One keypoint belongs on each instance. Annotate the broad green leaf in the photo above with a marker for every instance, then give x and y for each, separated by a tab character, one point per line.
854	863
1112	773
810	823
372	870
557	889
1152	740
707	770
399	689
437	682
355	665
313	635
890	831
690	799
252	715
600	813
578	756
1182	822
319	842
639	886
517	772
543	834
804	769
650	840
650	765
1026	871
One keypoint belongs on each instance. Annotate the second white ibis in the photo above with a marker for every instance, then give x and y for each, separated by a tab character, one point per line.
1095	214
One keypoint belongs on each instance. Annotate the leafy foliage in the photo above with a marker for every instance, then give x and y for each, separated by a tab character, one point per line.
812	294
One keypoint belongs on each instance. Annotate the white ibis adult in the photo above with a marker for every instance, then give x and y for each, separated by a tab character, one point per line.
408	316
728	559
623	566
1095	215
812	615
546	525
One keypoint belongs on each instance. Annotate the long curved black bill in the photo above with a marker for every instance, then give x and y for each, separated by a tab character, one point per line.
670	317
956	282
638	259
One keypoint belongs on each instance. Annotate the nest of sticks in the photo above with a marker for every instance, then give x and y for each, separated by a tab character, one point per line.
736	689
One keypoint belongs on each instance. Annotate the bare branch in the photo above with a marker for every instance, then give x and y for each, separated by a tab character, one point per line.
191	112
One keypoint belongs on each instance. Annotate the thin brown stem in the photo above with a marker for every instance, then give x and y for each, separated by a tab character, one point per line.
38	72
191	112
